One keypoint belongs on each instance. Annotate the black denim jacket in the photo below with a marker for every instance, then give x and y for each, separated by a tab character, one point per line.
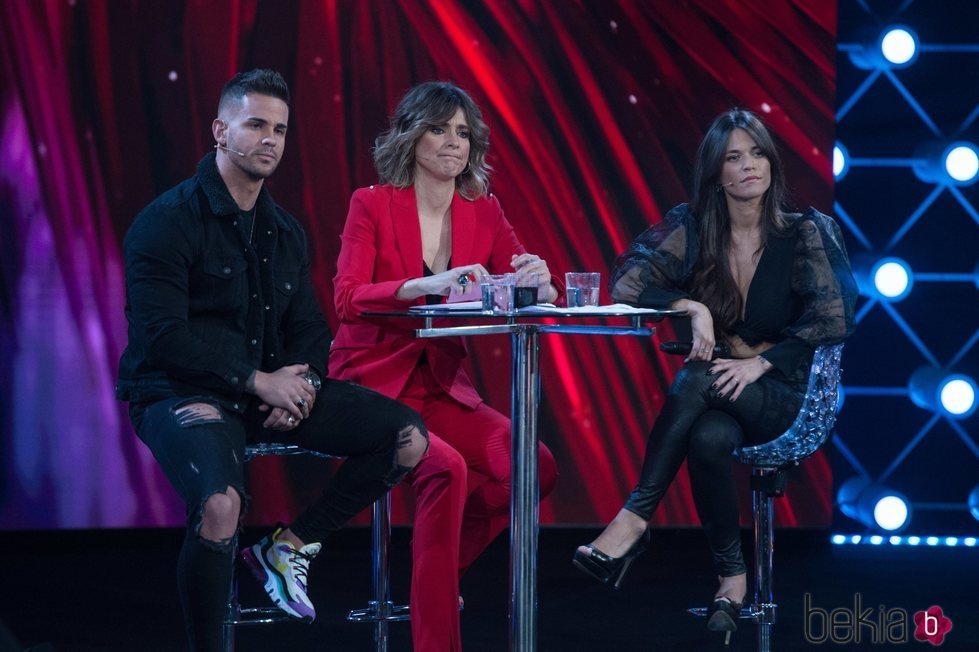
205	307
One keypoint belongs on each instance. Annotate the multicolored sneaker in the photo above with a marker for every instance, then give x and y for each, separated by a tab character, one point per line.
283	569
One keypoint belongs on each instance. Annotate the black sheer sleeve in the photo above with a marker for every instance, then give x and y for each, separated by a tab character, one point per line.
653	272
821	276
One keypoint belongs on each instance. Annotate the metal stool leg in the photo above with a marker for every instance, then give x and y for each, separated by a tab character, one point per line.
766	485
231	614
380	568
380	610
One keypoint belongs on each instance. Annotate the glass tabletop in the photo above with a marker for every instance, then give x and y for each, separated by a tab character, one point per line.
472	309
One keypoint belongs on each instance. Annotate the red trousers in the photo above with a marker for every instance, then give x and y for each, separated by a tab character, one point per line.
453	525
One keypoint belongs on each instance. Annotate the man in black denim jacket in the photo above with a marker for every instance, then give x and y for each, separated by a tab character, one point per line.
227	344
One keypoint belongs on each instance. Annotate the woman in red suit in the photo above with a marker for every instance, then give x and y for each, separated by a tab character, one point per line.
408	242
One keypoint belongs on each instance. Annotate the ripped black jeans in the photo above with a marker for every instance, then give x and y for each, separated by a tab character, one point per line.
704	428
201	452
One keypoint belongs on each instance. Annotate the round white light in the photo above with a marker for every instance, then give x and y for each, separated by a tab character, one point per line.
891	512
951	541
973	502
914	541
855	539
838	539
962	163
932	541
876	540
892	279
969	541
895	541
898	46
839	161
958	396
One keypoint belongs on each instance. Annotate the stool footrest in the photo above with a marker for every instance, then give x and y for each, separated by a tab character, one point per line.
750	612
262	616
375	613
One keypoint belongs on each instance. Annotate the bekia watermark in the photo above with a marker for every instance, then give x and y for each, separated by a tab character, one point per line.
883	625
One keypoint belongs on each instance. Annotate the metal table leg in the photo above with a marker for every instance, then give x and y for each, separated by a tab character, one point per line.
525	489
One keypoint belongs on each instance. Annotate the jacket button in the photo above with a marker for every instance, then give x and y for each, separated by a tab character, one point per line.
254	342
288	286
226	270
234	380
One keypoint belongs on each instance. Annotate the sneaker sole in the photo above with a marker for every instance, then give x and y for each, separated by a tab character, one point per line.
269	578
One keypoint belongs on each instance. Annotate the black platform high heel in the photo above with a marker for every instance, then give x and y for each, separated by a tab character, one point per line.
606	569
722	616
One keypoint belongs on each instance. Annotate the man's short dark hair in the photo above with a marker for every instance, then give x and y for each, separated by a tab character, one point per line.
261	81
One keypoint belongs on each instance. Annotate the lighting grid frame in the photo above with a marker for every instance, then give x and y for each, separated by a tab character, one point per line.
875	397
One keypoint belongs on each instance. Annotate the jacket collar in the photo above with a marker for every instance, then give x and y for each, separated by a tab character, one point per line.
216	191
404	213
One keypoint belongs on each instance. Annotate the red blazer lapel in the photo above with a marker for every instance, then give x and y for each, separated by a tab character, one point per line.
463	230
408	233
404	215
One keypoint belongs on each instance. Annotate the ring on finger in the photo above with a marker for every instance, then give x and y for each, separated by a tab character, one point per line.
291	420
301	403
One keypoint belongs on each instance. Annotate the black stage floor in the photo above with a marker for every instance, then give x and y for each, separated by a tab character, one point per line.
115	590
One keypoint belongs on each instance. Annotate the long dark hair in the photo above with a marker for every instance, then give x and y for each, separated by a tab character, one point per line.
714	285
427	104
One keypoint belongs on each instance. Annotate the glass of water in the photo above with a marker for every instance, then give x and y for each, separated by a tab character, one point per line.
582	288
497	292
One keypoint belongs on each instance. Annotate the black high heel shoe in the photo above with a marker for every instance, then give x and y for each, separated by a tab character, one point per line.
722	616
610	570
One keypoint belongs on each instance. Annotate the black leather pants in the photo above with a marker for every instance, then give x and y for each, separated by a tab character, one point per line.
705	428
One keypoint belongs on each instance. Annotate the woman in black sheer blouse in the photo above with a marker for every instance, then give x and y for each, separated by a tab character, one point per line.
769	284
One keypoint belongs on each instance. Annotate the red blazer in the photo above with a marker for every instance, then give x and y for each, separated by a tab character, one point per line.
381	248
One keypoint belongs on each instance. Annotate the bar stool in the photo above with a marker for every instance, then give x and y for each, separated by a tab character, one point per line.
769	461
380	610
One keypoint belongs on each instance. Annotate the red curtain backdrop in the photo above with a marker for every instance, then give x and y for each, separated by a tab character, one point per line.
596	109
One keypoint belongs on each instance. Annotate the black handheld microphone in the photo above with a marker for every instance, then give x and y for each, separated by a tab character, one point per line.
228	149
684	348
